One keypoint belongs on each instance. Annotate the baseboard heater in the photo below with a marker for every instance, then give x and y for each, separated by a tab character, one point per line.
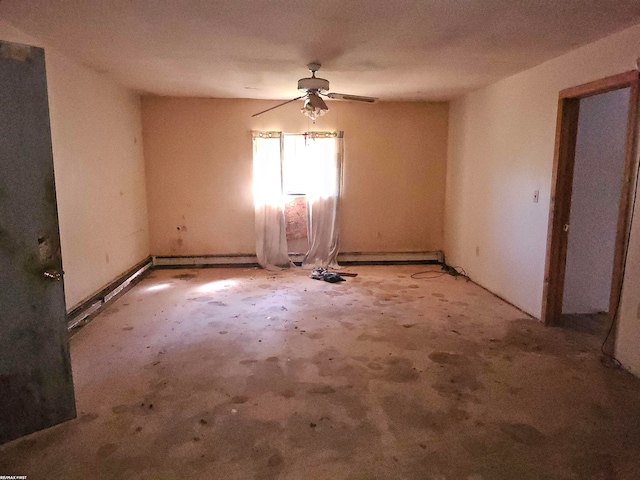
89	308
358	258
250	260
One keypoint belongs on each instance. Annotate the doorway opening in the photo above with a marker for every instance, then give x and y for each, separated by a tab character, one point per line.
592	189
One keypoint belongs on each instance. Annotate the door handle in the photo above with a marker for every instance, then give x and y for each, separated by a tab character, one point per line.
565	227
53	275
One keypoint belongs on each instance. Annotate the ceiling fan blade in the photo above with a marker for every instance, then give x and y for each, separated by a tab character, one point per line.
352	98
277	106
317	102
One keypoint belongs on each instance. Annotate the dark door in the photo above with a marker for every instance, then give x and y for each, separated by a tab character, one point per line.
36	388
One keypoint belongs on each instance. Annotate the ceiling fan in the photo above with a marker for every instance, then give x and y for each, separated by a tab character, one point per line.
316	88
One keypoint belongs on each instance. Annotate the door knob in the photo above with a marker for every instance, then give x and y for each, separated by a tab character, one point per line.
53	275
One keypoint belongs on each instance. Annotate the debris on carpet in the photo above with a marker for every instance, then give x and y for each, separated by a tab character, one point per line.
327	276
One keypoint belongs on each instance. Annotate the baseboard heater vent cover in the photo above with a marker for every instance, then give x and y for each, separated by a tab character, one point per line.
250	260
88	309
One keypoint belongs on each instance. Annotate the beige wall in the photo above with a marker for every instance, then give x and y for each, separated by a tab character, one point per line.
501	144
199	172
99	168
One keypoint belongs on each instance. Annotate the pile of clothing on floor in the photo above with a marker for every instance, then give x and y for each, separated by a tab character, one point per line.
326	275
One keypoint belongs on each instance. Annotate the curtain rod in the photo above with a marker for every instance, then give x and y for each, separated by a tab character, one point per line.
311	134
259	134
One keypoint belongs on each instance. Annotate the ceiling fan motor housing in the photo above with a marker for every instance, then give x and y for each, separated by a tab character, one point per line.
313	83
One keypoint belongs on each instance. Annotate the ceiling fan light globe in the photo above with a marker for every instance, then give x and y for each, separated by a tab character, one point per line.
312	111
314	114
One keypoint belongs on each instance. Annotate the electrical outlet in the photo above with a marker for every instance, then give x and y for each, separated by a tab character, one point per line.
536	196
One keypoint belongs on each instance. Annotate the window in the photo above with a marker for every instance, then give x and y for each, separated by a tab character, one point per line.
298	175
295	165
306	160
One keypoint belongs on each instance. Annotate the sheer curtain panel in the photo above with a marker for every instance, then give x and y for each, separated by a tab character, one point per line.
271	237
325	152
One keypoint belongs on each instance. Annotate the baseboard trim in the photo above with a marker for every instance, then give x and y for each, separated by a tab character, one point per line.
250	260
84	312
532	317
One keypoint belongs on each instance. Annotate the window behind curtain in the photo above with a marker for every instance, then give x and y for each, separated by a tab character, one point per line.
307	166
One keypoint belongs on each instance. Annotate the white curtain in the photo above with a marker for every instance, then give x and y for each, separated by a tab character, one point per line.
271	235
324	156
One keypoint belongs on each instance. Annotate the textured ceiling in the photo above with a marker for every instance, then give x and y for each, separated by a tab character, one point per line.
393	49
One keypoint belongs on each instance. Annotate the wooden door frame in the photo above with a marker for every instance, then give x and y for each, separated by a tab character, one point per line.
562	183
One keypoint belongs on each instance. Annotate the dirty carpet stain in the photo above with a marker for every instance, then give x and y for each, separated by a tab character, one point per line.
393	378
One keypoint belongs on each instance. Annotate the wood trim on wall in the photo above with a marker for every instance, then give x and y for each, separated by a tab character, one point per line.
624	212
560	207
604	85
562	183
